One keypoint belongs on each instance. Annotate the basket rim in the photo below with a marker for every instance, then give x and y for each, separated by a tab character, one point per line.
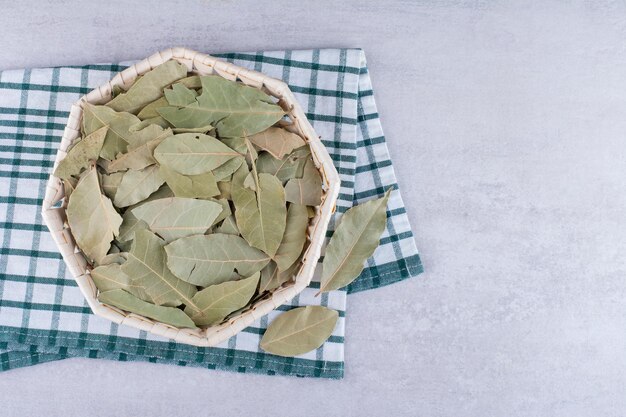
203	64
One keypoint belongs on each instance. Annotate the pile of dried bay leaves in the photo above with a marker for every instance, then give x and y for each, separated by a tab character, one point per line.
192	201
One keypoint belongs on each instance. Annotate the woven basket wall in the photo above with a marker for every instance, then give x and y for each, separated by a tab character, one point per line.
54	205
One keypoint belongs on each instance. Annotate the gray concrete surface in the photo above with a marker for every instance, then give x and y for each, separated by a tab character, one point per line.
507	125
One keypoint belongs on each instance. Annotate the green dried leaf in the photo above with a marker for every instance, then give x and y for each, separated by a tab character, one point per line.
193	81
121	133
146	265
113	257
195	186
201	129
272	278
277	141
289	167
193	153
224	187
111	277
128	302
149	87
110	183
299	331
138	157
81	154
355	239
179	95
307	190
138	185
175	217
130	224
150	110
69	185
295	235
218	301
211	259
229	226
233	108
159	121
261	215
92	218
225	209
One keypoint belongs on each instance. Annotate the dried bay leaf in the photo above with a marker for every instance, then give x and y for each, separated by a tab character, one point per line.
233	108
299	331
193	154
149	87
201	129
307	190
225	209
128	302
146	265
289	167
194	186
224	187
261	215
216	302
193	81
138	157
272	278
111	277
79	156
130	224
176	217
159	121
121	131
354	240
277	141
69	185
114	257
295	235
92	217
138	185
150	110
211	259
179	95
229	226
110	183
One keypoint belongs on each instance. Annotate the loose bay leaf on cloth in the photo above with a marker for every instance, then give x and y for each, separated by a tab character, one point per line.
214	303
193	153
193	186
92	217
211	259
277	141
295	235
138	185
126	301
233	108
147	268
149	87
306	190
299	330
354	240
261	215
78	157
176	217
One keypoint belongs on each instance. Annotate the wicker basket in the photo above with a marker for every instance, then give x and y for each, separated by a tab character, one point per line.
54	204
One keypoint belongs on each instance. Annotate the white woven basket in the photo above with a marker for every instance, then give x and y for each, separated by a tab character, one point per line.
55	217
